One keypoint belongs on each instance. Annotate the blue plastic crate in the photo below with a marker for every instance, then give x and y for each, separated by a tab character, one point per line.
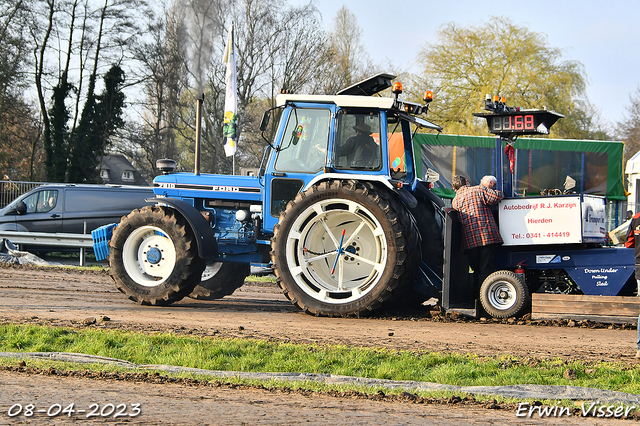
101	237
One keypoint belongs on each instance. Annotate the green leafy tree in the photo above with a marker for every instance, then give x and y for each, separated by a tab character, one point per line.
56	134
502	58
101	117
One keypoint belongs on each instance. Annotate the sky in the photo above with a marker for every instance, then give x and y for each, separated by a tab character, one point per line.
602	35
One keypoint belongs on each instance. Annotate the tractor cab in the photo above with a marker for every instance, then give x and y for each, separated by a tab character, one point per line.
352	134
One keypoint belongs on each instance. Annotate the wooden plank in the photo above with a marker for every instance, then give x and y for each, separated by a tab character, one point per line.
581	297
602	319
578	307
591	308
609	302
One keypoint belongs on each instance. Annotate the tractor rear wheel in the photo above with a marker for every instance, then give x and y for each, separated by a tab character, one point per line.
153	256
342	247
220	279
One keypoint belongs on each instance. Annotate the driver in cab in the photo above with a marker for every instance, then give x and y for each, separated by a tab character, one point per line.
361	150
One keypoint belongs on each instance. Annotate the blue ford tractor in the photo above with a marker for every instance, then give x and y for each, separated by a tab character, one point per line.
336	210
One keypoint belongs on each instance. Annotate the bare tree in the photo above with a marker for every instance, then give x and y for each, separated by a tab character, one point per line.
96	33
300	54
20	148
345	57
277	46
629	128
13	47
164	75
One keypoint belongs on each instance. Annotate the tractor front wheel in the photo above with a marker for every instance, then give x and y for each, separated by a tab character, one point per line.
153	256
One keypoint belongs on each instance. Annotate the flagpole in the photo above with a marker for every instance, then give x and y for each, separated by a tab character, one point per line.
230	123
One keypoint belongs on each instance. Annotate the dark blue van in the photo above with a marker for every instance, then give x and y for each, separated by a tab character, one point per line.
71	208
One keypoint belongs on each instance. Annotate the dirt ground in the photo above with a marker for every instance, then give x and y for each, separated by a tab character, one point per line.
258	310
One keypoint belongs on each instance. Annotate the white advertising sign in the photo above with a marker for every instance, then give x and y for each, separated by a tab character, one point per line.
544	220
593	219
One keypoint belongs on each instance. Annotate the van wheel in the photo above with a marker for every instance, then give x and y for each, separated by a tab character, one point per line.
504	294
220	279
153	256
342	247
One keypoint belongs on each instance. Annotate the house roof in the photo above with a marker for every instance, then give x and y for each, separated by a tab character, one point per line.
120	171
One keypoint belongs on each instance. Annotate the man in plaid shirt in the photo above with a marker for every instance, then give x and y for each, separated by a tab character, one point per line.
633	241
479	228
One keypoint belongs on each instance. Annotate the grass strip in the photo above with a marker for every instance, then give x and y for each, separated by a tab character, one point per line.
252	355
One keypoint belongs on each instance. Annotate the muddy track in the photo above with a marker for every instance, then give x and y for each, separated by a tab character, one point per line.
68	297
259	310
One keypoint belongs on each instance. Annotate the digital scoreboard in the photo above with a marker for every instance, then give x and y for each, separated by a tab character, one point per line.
523	122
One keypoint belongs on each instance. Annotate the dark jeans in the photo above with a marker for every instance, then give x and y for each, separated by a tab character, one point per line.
483	262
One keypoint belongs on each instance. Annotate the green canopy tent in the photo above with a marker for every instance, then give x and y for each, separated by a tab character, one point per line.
539	164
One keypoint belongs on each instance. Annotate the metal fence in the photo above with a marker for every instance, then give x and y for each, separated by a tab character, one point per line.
10	190
79	241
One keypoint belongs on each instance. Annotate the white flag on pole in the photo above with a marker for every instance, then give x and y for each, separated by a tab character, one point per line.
230	124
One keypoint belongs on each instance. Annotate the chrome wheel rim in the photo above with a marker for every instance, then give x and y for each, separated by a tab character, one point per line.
336	251
502	295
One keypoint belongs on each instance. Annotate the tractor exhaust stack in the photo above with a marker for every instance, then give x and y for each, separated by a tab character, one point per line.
196	167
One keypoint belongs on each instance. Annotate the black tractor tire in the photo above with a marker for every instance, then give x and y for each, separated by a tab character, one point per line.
220	279
431	227
504	294
153	256
341	248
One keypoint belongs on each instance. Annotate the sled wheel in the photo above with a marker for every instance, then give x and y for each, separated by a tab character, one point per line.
503	294
153	256
220	279
342	247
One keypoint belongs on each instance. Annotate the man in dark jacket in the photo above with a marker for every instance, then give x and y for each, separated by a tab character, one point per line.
480	234
361	150
633	241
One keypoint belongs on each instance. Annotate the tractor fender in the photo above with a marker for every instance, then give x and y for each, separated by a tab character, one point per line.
207	244
343	176
407	198
423	191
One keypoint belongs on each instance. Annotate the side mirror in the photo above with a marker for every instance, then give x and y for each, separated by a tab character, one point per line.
431	176
295	137
265	120
21	208
569	183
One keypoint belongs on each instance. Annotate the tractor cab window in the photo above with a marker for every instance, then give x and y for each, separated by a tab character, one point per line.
358	140
304	144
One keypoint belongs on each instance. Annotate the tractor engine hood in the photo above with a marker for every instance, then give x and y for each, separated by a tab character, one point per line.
221	187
